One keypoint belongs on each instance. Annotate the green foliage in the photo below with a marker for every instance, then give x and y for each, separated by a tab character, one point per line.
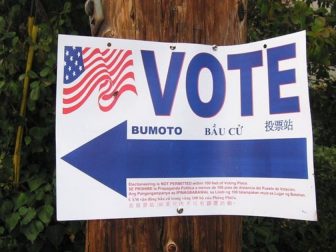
273	18
27	212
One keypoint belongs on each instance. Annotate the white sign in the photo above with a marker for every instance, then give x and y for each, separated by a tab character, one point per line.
158	129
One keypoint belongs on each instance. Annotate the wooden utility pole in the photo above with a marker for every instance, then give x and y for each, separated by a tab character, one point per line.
220	22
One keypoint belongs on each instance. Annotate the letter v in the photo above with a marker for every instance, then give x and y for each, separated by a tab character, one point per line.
162	101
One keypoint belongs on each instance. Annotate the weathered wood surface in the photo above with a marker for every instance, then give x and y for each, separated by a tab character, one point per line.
197	21
171	234
220	22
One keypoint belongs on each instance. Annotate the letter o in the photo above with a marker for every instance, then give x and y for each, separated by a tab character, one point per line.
162	130
178	131
200	108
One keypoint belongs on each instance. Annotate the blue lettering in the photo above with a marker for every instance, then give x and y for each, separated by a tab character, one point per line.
170	130
152	130
162	130
245	62
277	78
155	130
143	130
162	101
178	131
205	109
135	130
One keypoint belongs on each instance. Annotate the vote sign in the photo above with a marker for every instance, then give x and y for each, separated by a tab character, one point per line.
147	129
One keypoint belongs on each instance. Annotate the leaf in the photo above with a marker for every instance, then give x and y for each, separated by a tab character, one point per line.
45	71
34	94
5	208
31	213
55	234
12	221
46	213
15	41
20	200
320	21
23	210
39	194
27	140
35	183
35	84
32	74
38	133
7	35
22	76
50	81
48	188
31	105
32	230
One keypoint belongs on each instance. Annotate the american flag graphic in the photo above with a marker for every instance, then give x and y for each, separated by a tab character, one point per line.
88	69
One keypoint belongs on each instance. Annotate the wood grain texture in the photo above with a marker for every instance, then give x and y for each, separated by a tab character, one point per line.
206	233
195	21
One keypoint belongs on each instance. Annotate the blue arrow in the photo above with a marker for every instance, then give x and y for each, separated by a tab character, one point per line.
111	158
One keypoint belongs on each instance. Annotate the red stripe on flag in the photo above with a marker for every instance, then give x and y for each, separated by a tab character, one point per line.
108	76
